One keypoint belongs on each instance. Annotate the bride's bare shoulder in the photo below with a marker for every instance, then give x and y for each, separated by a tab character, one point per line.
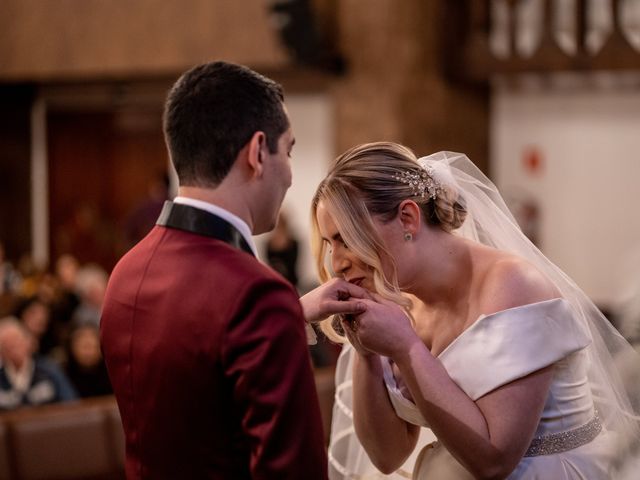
510	281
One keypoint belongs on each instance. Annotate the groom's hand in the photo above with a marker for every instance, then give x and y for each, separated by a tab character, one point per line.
334	297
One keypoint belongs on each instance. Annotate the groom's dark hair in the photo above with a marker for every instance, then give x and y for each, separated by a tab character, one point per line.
212	111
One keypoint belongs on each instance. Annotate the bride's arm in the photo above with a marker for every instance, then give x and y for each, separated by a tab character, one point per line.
387	439
488	436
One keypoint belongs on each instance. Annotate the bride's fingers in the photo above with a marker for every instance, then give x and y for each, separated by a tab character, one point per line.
386	302
350	323
334	307
378	301
350	332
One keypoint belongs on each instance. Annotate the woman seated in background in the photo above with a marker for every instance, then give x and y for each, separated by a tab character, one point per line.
85	366
35	314
500	355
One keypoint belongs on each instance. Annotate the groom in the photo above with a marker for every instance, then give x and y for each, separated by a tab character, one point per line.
205	346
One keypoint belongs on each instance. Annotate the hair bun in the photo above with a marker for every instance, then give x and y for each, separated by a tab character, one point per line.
449	208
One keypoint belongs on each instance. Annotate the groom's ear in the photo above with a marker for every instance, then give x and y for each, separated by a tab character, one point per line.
409	214
255	153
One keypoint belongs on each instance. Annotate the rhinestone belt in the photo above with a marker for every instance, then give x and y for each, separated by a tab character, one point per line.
563	441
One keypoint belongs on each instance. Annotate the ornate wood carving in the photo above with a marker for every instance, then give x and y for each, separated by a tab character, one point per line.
473	59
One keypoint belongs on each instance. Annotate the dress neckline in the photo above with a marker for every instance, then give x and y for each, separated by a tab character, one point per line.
482	316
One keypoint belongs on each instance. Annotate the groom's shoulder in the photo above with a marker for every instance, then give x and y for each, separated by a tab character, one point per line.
237	263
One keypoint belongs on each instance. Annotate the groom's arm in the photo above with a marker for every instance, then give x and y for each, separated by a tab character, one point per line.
267	357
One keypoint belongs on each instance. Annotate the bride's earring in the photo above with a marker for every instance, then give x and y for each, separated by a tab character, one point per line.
408	237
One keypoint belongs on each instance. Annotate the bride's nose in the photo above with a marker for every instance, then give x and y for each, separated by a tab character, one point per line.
339	262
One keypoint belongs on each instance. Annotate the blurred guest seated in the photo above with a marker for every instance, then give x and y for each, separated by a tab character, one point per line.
31	274
36	317
65	298
282	251
88	235
25	379
144	215
91	284
9	277
85	365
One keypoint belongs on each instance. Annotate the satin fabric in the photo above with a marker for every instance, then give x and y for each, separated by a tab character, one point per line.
503	347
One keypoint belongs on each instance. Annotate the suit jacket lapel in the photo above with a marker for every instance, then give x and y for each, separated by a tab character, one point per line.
200	222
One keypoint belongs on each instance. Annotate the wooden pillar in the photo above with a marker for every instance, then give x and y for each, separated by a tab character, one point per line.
15	170
395	87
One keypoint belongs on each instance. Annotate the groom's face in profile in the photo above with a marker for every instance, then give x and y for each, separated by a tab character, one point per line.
277	178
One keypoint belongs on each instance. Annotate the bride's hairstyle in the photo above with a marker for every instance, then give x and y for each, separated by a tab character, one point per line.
369	181
372	180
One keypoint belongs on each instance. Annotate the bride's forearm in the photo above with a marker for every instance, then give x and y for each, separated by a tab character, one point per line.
387	439
454	418
488	436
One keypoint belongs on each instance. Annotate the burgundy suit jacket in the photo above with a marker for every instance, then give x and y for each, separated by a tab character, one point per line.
207	354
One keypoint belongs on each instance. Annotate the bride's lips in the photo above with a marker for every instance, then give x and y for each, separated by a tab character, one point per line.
356	281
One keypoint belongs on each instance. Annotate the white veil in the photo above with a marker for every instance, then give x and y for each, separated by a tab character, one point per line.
490	222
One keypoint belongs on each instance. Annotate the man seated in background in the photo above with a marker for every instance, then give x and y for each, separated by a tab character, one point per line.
25	379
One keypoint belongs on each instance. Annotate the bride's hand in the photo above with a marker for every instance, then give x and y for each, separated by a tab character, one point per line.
384	328
349	327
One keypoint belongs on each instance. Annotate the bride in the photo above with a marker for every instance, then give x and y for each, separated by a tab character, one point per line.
470	337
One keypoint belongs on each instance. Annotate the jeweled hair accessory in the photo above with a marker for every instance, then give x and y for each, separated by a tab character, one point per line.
422	183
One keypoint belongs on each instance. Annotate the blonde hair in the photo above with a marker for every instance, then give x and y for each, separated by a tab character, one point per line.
363	183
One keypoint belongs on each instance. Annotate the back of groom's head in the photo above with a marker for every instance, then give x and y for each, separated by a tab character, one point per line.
211	112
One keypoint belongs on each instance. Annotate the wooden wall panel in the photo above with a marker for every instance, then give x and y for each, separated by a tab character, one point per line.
100	168
99	56
63	39
15	170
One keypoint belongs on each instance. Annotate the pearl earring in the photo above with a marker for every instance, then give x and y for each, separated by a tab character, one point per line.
408	237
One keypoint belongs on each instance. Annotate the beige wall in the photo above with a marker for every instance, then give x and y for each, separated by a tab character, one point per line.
586	130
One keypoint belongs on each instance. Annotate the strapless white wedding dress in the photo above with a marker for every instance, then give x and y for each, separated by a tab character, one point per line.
569	443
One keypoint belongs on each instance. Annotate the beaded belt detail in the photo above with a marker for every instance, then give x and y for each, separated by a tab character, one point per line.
563	441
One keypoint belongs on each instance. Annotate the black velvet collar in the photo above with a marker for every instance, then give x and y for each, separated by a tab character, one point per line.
201	222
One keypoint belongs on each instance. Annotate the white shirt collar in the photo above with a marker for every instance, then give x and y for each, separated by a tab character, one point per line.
234	220
20	379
